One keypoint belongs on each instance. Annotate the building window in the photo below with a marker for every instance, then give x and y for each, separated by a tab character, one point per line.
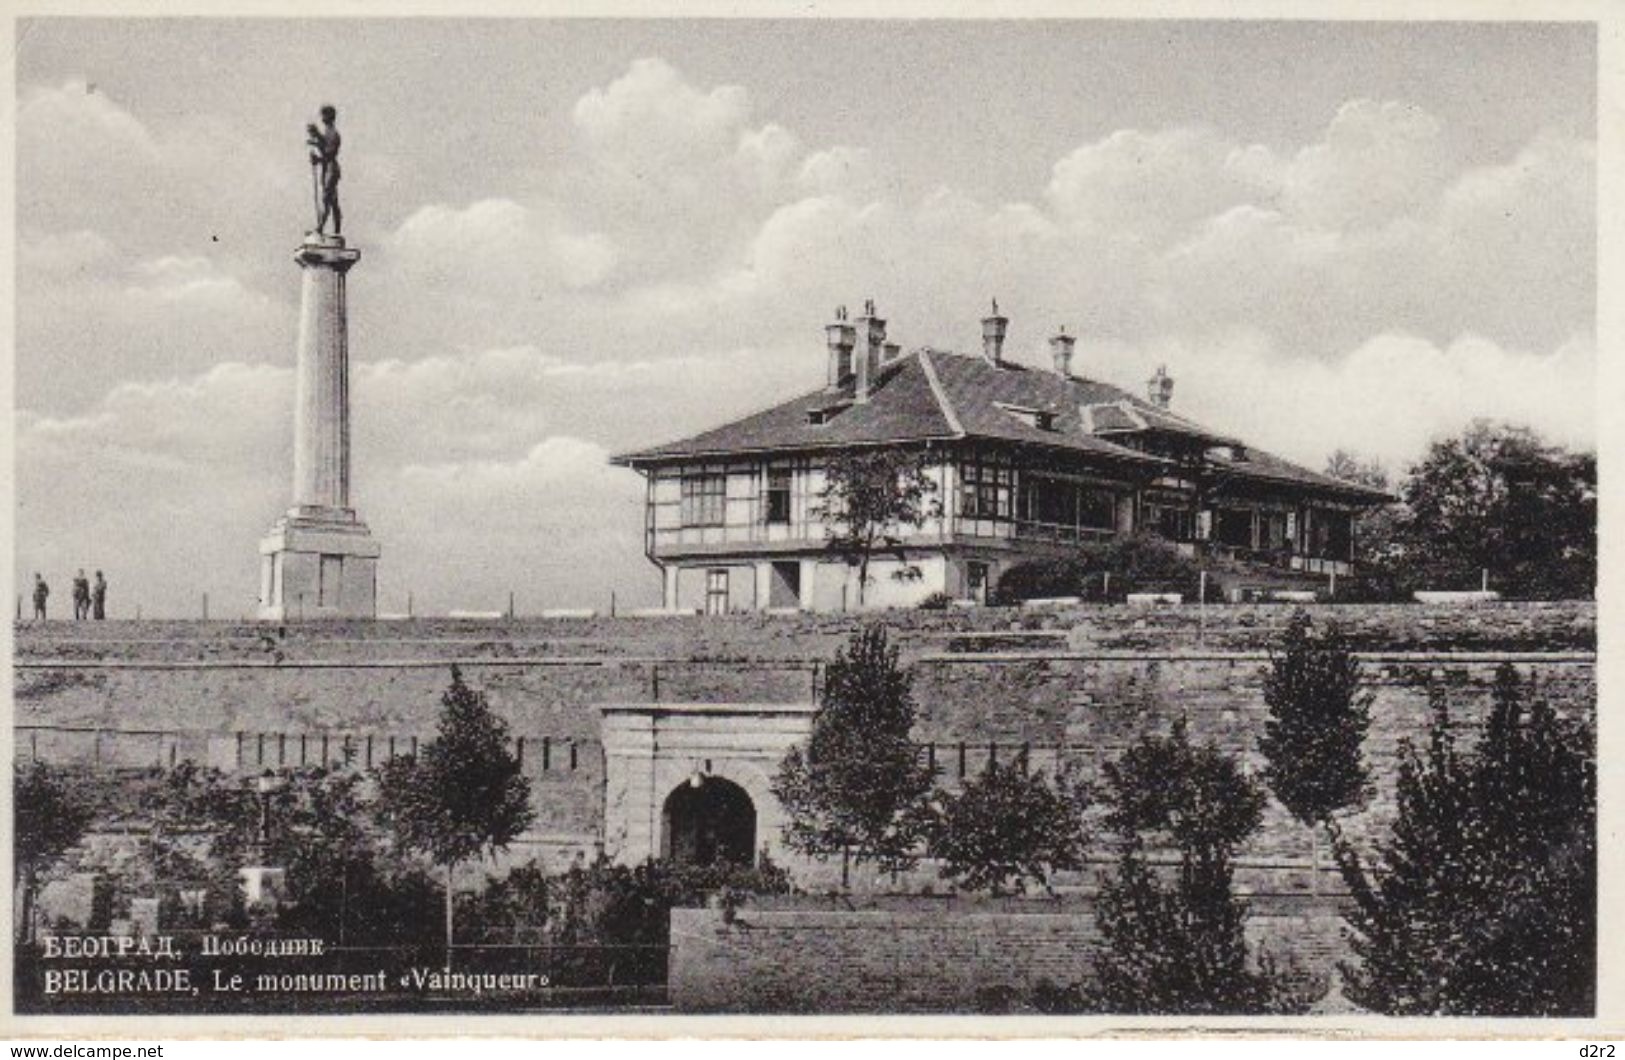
1273	532
1040	419
1097	509
1233	527
1169	521
1330	534
704	499
716	591
986	491
776	507
1053	502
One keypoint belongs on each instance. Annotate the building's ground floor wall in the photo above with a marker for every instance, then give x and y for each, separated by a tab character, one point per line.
730	585
734	585
966	568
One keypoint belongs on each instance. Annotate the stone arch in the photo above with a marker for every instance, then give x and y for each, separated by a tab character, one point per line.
708	819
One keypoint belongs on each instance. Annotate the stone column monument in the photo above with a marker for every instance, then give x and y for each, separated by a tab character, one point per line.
320	560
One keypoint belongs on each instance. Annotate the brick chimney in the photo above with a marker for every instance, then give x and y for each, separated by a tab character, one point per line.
872	332
1060	347
1159	389
841	336
993	335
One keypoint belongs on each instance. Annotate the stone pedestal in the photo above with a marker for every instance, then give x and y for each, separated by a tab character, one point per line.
319	559
144	917
318	567
264	886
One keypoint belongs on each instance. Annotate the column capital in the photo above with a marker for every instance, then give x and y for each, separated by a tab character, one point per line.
326	252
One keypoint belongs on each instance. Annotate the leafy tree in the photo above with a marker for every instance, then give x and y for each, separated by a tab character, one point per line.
869	498
1352	467
1008	826
463	796
48	819
1497	498
1178	946
342	882
1375	531
1483	899
613	922
1317	724
860	784
513	909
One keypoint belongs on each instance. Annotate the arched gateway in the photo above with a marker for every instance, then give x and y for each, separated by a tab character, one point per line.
693	781
708	820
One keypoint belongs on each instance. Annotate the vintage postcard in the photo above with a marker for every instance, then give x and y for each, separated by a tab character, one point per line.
558	525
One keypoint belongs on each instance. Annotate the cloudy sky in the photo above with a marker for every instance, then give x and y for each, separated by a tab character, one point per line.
579	237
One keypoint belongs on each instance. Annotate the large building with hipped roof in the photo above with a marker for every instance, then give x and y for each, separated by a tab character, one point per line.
1027	463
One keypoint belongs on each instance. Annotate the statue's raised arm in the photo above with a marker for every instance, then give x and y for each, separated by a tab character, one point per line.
323	141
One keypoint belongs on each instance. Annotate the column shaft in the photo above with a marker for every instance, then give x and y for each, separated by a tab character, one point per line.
321	457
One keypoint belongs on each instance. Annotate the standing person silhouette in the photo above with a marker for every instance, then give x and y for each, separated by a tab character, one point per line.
42	592
324	157
81	596
98	597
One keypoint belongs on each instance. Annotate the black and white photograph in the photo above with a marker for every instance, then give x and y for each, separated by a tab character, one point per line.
1035	516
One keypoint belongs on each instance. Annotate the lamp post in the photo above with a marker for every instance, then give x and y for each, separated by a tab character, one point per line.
266	785
263	884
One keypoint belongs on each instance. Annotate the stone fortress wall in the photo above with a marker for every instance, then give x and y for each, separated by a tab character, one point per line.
1067	686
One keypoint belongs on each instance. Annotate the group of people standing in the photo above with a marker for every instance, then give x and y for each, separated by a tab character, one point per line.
89	598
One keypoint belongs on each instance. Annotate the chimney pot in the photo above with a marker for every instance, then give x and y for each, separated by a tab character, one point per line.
1060	346
1160	387
993	328
840	337
868	358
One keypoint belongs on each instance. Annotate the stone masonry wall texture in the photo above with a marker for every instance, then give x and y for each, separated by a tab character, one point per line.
1073	686
1069	687
912	960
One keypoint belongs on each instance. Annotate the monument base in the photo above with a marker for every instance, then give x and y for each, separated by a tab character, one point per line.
318	563
264	886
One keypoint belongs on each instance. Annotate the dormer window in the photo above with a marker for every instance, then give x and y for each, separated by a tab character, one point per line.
1040	419
823	415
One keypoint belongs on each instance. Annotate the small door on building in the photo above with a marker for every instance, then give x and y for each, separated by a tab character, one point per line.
976	577
784	590
716	591
709	820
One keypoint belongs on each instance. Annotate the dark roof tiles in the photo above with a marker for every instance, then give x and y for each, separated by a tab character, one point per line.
931	394
901	408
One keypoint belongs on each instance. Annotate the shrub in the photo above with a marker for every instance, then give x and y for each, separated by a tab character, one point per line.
1009	826
1174	940
938	601
1483	900
857	786
1138	563
1041	578
49	819
1316	728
